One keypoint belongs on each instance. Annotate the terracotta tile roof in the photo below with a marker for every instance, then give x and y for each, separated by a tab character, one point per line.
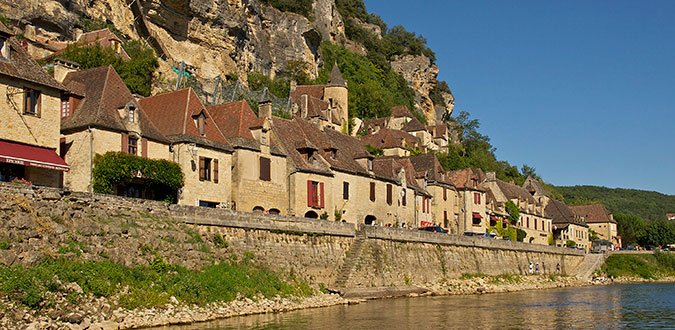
389	138
410	178
438	131
336	77
315	91
104	93
388	168
291	138
373	123
594	213
401	111
21	66
512	191
461	179
428	163
234	119
348	149
173	114
534	185
562	214
414	125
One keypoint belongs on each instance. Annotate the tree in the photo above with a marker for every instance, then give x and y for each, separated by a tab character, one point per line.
630	228
530	171
658	233
514	212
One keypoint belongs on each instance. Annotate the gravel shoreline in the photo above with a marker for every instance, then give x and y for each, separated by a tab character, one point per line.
97	313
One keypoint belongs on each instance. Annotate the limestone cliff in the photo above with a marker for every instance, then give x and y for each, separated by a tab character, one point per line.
216	37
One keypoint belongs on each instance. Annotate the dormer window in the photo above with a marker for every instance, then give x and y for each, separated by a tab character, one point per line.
263	137
132	114
370	164
4	48
200	121
333	154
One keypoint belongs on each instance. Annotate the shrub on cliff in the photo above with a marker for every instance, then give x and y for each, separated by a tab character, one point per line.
302	7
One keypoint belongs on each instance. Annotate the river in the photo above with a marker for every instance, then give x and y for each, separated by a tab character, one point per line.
621	306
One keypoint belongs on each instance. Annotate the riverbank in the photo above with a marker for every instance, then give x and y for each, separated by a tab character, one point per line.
104	313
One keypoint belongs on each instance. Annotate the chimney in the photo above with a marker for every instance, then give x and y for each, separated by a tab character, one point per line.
265	109
62	68
304	100
294	84
491	176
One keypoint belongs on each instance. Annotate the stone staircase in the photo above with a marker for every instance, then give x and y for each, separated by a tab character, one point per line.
353	256
591	263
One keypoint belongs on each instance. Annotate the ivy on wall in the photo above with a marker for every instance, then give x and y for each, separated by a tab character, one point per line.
119	169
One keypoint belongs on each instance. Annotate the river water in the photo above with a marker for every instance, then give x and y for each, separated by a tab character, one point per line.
621	306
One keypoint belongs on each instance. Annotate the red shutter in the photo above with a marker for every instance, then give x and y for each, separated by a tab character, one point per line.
144	148
309	193
125	143
215	171
202	172
321	194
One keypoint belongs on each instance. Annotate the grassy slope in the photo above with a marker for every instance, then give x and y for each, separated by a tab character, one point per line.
648	266
649	205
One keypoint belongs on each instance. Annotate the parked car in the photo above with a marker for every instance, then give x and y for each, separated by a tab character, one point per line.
507	238
485	235
435	229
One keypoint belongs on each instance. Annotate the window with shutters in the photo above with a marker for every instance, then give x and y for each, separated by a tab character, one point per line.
345	190
31	102
132	146
389	194
372	191
205	169
265	174
476	198
315	194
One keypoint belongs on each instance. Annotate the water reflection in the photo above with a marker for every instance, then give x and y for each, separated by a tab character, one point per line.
635	306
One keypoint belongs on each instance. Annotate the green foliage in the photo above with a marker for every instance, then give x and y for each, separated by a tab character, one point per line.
374	150
136	73
5	245
302	7
551	241
219	241
118	168
257	81
520	234
514	212
658	233
466	276
648	266
648	205
324	216
373	88
571	243
147	286
509	231
437	92
592	235
6	21
231	77
337	214
89	25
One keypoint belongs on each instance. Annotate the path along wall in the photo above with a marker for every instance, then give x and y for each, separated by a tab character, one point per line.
312	249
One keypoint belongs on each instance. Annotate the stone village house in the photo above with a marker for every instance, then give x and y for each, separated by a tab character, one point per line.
29	125
472	201
599	220
445	199
101	115
567	226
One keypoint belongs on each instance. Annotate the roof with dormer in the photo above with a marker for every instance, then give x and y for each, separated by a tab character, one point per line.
594	213
104	94
428	164
561	214
290	133
401	111
387	138
464	178
414	125
175	114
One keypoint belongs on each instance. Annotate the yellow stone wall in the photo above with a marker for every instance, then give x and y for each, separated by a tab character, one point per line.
467	205
194	190
341	96
248	191
605	230
298	189
539	235
42	130
576	233
439	205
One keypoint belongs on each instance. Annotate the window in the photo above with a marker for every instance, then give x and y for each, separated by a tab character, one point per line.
263	137
389	194
372	191
333	154
370	164
265	169
200	121
476	198
65	107
2	47
132	114
527	224
315	197
535	223
132	146
445	219
445	194
345	190
404	197
31	104
476	221
205	169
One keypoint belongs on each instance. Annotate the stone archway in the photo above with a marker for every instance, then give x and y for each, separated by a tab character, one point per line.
274	211
370	220
311	214
258	209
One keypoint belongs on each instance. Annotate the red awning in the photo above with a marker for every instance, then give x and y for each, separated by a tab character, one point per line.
476	215
494	218
26	155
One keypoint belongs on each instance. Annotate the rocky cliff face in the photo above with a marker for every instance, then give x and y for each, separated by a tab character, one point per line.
216	37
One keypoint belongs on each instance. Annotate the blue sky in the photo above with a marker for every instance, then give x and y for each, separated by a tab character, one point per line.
584	91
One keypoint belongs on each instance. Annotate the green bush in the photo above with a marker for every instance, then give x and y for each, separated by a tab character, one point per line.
647	266
302	7
118	168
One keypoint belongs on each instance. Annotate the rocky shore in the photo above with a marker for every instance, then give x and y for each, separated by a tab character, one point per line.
99	313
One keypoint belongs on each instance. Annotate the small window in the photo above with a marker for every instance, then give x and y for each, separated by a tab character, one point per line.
3	50
204	169
445	194
263	137
345	190
333	154
132	114
265	169
476	198
31	104
372	191
404	197
65	108
389	194
132	146
370	164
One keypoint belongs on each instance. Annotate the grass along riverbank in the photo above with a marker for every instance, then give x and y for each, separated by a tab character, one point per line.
655	266
72	290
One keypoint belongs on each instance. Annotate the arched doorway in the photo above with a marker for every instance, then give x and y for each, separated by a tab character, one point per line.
274	211
311	215
258	209
531	240
370	220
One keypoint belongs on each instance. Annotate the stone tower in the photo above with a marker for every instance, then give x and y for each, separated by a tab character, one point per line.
336	93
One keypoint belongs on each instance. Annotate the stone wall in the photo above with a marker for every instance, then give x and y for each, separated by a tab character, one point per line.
119	229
